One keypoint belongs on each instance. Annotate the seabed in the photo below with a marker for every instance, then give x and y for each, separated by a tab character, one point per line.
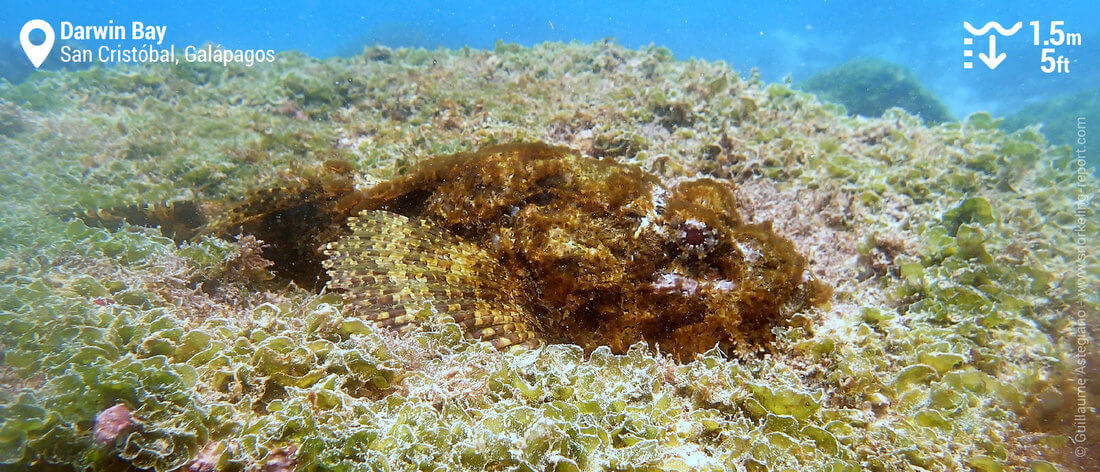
963	260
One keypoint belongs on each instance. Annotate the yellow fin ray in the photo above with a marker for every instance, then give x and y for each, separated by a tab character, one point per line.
390	266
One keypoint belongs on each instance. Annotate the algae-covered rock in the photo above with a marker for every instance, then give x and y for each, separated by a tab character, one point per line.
950	343
1063	118
870	86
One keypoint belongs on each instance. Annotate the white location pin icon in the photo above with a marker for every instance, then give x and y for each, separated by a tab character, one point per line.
37	54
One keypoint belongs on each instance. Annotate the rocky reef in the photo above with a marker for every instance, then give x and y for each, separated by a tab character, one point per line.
870	86
1062	117
963	272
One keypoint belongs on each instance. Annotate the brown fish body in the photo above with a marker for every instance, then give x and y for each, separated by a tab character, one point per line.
522	245
558	247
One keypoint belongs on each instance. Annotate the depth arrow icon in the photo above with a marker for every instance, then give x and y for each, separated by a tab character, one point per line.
993	59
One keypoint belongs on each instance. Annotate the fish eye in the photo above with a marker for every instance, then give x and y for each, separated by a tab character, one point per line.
695	238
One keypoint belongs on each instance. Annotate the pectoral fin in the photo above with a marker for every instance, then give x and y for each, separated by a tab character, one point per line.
389	267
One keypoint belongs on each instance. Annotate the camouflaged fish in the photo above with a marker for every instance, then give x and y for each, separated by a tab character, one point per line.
527	244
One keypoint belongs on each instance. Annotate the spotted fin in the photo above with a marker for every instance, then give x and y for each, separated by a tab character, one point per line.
389	266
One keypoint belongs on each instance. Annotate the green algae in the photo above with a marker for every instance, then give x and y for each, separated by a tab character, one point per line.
1061	115
939	362
869	86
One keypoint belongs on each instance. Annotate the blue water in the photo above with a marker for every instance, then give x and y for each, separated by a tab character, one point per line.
787	38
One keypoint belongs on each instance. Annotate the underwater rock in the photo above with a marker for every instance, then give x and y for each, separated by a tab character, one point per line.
392	35
112	423
90	317
1062	116
15	68
281	460
11	121
869	86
